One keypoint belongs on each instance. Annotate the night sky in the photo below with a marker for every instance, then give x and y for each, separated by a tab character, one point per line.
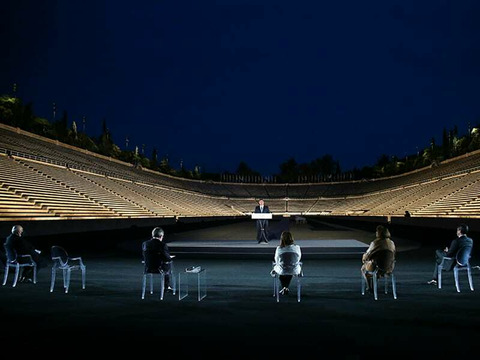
214	83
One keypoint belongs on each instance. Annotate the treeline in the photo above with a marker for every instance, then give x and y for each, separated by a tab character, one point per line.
322	169
13	112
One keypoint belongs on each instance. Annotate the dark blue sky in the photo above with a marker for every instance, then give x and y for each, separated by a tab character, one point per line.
219	82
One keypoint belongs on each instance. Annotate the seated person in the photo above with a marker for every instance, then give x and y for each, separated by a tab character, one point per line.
461	241
16	241
156	256
381	253
283	267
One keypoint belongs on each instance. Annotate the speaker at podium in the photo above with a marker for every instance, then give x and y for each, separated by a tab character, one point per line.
262	226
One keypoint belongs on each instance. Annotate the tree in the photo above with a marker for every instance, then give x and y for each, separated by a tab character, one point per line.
324	165
154	159
474	139
27	116
289	171
106	145
244	170
42	127
7	109
164	166
197	173
74	128
11	111
85	142
460	146
446	144
61	127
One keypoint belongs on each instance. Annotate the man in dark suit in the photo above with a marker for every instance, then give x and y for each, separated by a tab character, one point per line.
156	256
262	224
460	242
15	241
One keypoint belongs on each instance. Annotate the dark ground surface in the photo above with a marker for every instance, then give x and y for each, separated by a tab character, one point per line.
109	316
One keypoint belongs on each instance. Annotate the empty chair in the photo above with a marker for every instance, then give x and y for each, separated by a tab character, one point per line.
61	261
384	261
289	265
462	263
13	260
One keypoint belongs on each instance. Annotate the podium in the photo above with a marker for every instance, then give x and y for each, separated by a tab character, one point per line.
262	223
261	216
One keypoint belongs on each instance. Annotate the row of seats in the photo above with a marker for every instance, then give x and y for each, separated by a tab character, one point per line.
61	262
59	191
35	190
14	139
289	262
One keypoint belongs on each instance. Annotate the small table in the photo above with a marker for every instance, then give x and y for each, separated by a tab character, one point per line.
184	278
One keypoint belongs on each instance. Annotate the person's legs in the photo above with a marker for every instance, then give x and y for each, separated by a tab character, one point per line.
370	283
259	232
265	231
285	280
435	272
262	234
368	266
27	274
166	270
167	280
368	280
41	261
439	255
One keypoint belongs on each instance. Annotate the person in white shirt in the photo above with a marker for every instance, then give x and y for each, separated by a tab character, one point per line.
287	261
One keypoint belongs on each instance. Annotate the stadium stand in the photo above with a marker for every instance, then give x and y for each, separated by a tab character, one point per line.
50	194
41	178
15	207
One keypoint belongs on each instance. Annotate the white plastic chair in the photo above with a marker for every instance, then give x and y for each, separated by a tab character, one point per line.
387	261
18	261
161	274
290	265
462	263
61	261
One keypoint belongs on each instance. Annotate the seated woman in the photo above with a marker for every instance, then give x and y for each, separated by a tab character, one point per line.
381	253
287	258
